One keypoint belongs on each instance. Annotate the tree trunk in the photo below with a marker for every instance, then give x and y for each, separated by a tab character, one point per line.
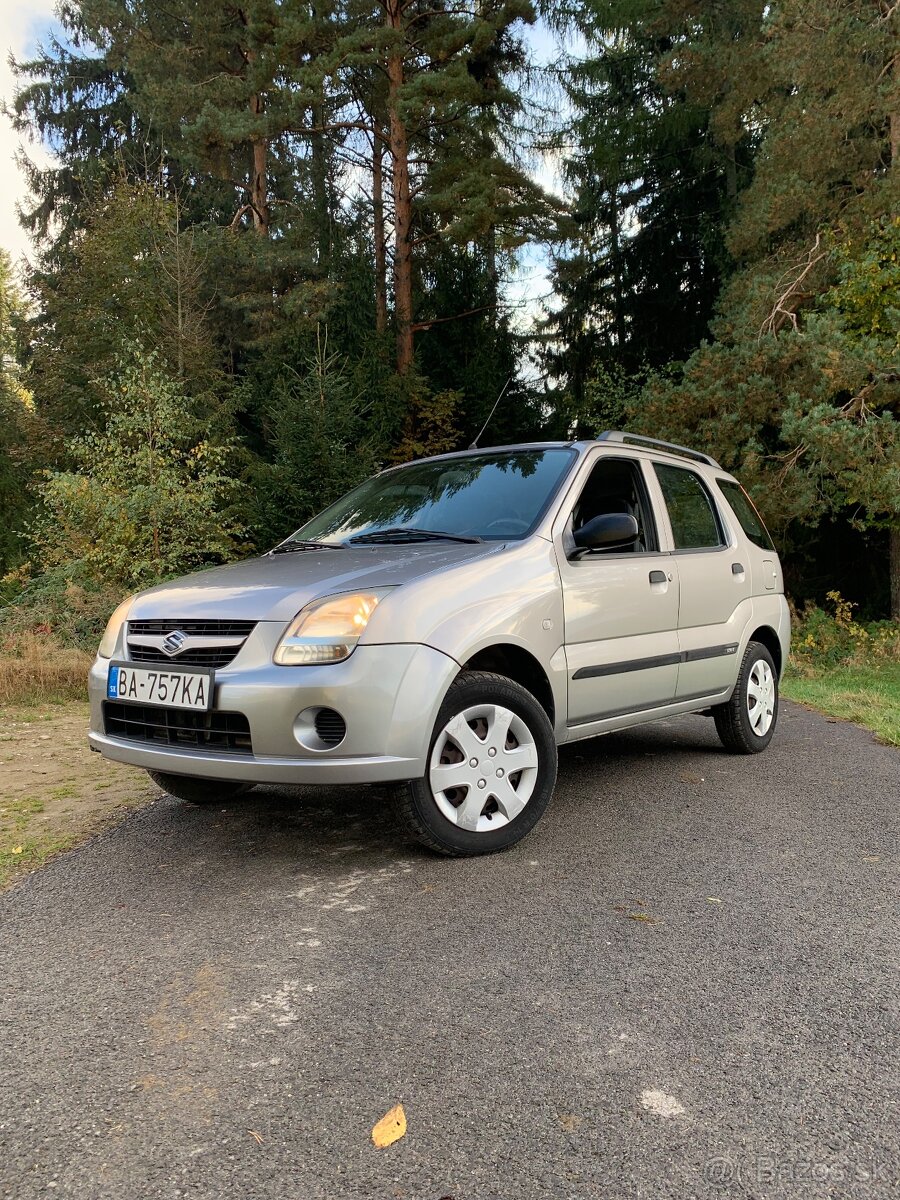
894	536
259	183
319	165
616	260
490	253
319	168
259	187
378	223
399	143
894	121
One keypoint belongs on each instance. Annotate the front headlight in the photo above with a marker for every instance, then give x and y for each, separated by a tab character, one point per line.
107	645
327	630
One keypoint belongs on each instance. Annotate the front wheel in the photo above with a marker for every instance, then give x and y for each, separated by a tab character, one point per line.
491	769
198	791
746	722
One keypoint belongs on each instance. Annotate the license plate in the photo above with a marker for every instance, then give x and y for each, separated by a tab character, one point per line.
155	685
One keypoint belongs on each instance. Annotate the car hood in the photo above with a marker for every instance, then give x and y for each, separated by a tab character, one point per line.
275	587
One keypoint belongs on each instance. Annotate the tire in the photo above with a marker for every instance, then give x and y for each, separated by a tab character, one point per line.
480	709
747	721
198	791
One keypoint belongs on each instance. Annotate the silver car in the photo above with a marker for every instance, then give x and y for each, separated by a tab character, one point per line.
447	625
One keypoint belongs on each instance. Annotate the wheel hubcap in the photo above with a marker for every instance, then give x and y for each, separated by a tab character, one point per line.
483	768
761	697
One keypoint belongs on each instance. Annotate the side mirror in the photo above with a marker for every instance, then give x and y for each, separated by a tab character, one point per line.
606	532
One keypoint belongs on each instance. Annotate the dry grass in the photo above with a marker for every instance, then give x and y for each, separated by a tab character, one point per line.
35	669
53	792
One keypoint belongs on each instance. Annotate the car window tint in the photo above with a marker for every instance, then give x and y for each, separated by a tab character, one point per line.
496	495
743	508
695	525
615	485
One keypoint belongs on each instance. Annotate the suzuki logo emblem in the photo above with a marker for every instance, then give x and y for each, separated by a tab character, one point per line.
173	643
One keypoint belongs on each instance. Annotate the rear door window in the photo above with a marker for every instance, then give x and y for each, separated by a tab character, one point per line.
692	513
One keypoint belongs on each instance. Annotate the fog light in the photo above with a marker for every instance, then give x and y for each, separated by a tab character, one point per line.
319	728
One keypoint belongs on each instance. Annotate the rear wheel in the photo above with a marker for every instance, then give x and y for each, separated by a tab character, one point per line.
491	769
747	721
198	791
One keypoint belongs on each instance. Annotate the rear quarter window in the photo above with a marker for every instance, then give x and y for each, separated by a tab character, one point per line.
745	511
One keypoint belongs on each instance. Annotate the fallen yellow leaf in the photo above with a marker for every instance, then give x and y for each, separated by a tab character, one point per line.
16	850
714	899
390	1128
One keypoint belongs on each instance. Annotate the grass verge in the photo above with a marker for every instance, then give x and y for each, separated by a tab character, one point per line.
866	694
35	668
53	792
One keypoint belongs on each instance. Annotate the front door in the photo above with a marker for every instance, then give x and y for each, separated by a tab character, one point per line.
621	607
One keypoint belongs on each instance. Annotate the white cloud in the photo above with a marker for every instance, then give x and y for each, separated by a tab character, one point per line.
22	27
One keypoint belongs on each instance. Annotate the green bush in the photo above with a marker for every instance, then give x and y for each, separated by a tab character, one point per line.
823	640
150	497
63	602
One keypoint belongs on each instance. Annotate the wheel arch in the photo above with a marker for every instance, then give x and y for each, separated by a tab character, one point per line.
766	636
520	665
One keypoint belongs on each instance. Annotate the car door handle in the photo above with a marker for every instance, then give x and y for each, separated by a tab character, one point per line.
657	577
737	568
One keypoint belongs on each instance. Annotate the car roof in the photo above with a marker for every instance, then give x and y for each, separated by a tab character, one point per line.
611	439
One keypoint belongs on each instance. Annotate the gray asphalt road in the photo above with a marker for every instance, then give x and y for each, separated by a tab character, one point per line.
222	1003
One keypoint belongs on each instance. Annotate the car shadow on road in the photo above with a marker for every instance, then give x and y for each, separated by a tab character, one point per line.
343	822
676	737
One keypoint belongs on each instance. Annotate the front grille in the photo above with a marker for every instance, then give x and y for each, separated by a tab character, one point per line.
200	656
201	628
217	732
192	656
330	726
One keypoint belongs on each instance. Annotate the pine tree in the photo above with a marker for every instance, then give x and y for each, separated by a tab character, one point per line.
149	496
658	163
446	103
798	392
132	274
321	446
269	125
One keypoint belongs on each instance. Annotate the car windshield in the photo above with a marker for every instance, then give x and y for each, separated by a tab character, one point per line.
497	496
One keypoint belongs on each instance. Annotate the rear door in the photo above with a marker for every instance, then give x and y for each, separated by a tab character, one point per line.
714	580
621	607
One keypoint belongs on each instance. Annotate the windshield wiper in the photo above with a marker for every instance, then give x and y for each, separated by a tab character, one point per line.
293	544
408	533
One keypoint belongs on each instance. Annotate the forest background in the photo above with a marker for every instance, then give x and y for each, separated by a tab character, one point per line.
278	245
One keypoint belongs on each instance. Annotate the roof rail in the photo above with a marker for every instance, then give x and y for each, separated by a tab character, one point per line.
618	435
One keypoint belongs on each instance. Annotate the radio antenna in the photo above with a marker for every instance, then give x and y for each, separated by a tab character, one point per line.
477	439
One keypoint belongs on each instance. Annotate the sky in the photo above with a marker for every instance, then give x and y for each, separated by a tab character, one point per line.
22	26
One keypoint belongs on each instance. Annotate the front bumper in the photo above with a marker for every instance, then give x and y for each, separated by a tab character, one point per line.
389	697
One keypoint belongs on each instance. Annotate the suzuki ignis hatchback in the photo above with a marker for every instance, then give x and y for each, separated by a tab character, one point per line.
447	625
